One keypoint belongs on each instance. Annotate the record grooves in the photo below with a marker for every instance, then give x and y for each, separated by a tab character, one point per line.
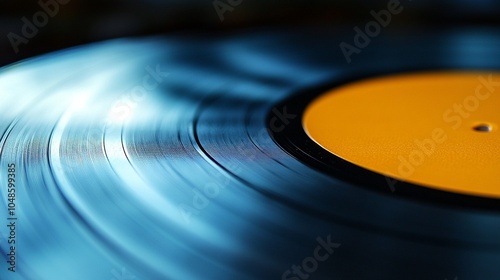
197	182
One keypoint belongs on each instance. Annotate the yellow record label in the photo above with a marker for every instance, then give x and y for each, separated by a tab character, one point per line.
437	129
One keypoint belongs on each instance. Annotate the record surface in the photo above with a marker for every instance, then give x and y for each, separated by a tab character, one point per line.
154	158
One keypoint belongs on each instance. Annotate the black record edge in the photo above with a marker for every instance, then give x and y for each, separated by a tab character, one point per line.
291	137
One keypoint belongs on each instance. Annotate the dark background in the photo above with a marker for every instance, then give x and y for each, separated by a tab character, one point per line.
83	21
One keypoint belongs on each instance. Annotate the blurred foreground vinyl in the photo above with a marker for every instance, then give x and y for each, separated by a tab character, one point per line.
152	159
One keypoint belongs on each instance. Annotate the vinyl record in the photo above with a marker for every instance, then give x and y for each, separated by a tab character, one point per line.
185	157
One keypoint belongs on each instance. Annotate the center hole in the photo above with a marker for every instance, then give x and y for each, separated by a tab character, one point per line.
482	128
